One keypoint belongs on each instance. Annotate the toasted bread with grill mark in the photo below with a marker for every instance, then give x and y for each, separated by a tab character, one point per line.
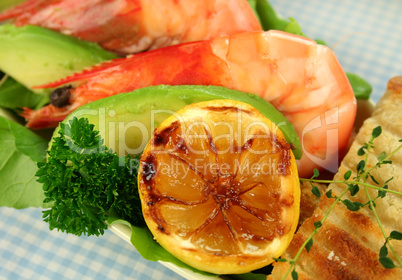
347	245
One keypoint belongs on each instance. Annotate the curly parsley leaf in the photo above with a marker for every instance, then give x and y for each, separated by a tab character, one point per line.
84	181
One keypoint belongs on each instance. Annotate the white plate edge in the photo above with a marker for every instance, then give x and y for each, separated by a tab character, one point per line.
124	232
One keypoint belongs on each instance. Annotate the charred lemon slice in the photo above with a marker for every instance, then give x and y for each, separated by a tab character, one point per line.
219	187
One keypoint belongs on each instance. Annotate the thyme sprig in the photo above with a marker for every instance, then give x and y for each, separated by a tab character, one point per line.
361	180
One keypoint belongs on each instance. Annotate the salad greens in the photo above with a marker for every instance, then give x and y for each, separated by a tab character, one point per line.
20	149
269	19
10	88
361	87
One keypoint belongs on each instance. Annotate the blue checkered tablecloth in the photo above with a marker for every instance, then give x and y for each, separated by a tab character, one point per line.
367	38
28	250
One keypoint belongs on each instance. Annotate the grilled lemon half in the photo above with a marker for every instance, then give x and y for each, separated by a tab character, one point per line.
219	187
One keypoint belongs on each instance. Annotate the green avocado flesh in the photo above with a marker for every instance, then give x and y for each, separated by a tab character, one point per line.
126	121
36	56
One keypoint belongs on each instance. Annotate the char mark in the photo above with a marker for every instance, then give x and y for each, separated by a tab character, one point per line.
161	137
227	108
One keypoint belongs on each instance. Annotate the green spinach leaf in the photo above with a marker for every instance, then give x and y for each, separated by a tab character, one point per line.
13	95
361	87
20	149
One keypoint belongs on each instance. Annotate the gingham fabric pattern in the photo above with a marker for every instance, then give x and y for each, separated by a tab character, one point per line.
367	38
29	250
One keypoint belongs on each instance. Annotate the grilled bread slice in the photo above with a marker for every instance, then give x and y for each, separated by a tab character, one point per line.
347	245
308	201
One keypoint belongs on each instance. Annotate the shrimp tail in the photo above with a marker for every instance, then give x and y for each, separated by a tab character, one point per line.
48	116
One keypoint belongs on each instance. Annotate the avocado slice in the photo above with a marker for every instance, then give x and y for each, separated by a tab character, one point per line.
126	121
35	56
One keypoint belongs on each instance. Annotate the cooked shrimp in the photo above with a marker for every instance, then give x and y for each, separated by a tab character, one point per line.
301	79
130	26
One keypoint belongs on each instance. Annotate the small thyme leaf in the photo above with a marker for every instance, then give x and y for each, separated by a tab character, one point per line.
280	260
309	245
347	174
376	132
387	262
382	193
381	156
361	151
374	180
360	166
316	173
352	206
384	260
316	191
317	225
396	235
294	274
383	251
329	194
354	189
389	180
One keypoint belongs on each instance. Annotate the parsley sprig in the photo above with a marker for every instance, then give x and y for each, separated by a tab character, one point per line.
84	181
353	185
